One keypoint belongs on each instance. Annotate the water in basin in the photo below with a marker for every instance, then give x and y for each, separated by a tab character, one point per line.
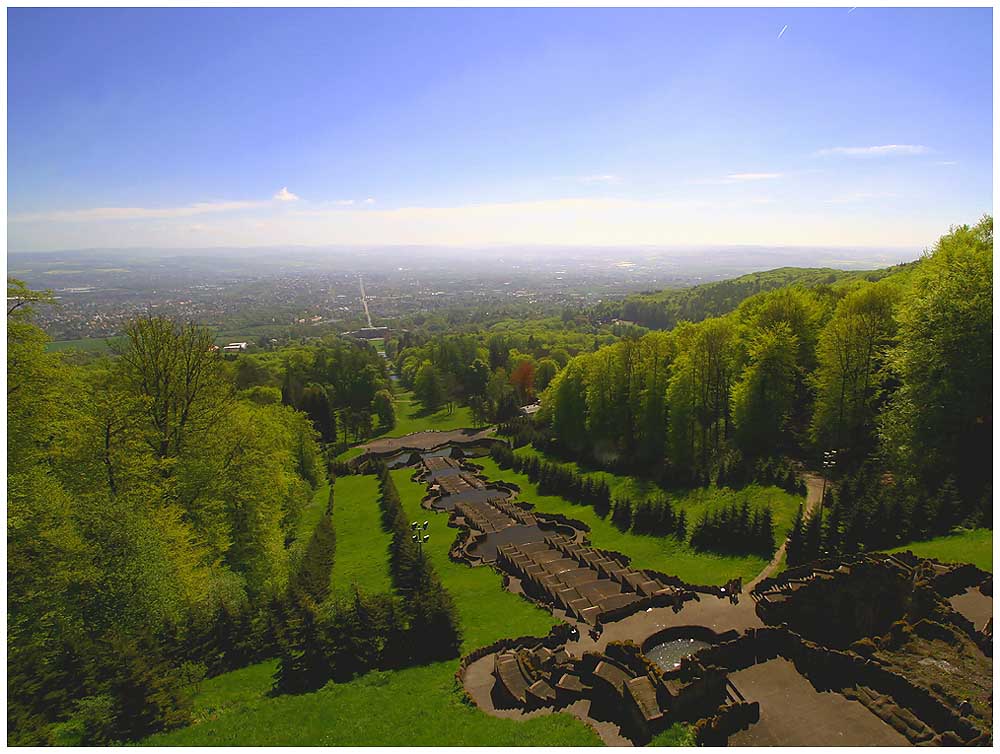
669	654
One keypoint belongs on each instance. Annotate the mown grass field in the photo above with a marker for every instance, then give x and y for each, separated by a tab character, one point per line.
361	557
663	553
411	417
971	546
412	707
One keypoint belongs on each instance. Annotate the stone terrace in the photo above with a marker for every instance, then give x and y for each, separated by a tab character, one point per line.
587	583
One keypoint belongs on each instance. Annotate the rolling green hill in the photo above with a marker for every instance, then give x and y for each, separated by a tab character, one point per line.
664	309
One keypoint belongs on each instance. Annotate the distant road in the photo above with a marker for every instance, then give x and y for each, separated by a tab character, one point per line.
364	301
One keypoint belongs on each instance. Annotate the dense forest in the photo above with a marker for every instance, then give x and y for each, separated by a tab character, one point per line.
154	507
663	310
497	370
892	374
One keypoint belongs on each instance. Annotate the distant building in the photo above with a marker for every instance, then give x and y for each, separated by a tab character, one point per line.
234	347
530	409
367	333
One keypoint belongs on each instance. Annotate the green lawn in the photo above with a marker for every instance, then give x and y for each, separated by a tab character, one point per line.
362	554
412	707
350	453
971	546
663	553
410	416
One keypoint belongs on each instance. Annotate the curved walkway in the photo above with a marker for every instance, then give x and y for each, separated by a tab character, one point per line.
814	494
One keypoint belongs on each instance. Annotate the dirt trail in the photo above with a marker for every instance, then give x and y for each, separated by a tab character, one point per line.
814	488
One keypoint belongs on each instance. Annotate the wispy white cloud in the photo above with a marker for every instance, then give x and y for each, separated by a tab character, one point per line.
605	178
732	178
883	150
860	196
740	177
783	30
100	214
946	163
369	200
135	213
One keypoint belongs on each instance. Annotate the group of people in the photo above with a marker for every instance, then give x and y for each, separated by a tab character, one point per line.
733	589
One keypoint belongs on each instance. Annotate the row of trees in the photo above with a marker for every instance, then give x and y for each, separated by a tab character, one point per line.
654	516
434	627
150	511
736	530
555	479
731	529
322	637
866	510
898	370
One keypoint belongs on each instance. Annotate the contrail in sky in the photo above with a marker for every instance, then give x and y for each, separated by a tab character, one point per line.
783	28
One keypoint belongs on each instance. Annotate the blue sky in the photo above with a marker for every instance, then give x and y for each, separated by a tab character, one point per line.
472	127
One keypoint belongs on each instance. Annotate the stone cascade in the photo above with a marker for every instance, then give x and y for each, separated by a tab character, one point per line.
585	582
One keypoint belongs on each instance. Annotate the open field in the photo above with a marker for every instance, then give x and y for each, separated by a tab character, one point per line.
362	554
970	546
410	416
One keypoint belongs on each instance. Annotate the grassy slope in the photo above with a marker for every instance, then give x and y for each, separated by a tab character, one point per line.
973	546
412	707
663	553
410	416
362	547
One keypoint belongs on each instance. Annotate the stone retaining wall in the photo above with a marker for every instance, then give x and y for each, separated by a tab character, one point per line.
557	636
831	669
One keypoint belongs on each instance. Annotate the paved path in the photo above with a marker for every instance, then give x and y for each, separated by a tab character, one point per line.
718	614
814	493
427	440
974	605
793	713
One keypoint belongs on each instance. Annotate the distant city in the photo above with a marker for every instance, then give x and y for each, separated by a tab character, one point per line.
303	290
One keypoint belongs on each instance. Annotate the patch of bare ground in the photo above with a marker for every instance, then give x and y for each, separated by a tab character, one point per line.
956	670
